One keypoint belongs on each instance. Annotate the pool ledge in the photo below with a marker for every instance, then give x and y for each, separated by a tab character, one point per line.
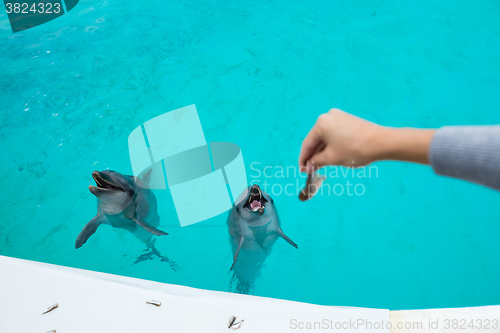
97	302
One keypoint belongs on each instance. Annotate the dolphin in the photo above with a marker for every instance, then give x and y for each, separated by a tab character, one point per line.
254	226
123	202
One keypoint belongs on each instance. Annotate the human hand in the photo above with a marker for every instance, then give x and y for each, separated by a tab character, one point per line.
339	138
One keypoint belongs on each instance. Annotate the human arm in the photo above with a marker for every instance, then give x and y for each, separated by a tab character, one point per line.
339	138
467	152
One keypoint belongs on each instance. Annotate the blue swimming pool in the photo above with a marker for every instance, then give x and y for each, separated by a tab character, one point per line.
260	72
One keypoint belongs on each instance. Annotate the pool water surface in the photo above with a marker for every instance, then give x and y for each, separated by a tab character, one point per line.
260	73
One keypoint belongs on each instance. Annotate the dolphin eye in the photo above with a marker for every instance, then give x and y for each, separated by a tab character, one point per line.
131	192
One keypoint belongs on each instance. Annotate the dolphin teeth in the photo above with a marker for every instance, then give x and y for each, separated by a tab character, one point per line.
96	179
52	307
100	184
114	186
104	180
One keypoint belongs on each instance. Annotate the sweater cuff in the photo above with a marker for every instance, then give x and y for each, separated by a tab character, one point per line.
467	152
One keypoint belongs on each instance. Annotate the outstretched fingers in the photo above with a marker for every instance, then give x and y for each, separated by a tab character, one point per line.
313	144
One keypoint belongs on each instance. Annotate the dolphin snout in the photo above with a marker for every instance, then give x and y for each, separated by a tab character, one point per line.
256	201
104	182
255	192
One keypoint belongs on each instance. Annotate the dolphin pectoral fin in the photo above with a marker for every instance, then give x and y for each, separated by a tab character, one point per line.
150	228
285	237
236	253
89	230
147	176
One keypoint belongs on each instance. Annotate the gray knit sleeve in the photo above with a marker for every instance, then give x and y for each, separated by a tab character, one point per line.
467	152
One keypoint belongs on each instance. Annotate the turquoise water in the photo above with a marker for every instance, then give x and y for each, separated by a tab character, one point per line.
259	72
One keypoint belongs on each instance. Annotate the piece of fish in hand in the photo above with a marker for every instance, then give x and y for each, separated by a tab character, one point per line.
313	184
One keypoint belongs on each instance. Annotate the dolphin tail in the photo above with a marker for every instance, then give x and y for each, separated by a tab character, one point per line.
89	230
237	252
285	237
150	228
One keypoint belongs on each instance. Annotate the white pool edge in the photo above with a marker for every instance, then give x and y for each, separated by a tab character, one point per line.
98	302
468	319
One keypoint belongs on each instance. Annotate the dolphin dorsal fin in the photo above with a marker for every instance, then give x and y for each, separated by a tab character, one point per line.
146	177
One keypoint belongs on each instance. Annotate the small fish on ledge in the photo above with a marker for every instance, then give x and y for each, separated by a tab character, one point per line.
52	307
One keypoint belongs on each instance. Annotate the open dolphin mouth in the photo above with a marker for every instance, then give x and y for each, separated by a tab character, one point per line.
103	183
256	201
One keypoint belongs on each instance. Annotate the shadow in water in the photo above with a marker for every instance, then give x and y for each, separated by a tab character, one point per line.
152	253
